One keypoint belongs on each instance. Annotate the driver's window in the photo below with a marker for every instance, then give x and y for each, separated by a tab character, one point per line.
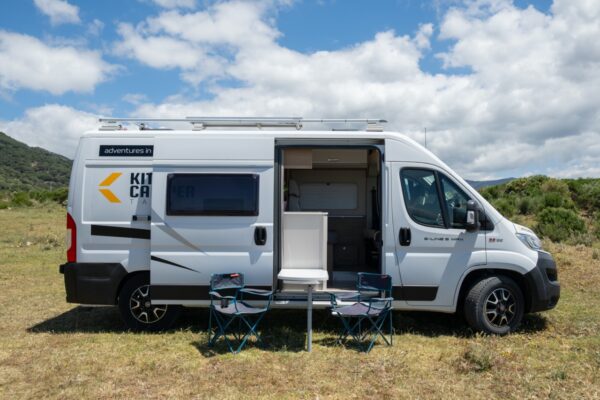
421	196
455	202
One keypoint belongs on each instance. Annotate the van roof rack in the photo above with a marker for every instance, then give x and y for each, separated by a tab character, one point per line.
201	123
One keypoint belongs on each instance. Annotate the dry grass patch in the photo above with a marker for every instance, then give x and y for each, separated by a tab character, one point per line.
51	349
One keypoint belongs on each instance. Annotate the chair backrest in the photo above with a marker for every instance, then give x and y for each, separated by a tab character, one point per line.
234	280
368	282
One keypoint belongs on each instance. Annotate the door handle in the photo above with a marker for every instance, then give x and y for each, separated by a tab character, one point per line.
260	235
405	236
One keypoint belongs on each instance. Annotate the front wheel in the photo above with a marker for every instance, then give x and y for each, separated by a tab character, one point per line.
494	305
138	312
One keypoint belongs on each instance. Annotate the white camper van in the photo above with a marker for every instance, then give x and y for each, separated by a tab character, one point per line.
152	213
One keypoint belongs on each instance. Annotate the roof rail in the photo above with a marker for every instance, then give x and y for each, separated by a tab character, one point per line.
201	123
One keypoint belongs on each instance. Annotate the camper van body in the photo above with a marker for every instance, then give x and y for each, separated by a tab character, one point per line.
135	223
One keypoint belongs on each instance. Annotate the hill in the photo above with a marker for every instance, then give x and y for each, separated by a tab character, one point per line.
24	168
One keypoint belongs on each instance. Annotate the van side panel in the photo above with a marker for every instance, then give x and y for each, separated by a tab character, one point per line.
114	224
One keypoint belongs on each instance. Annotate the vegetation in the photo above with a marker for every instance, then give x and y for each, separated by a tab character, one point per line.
52	349
558	209
24	168
30	175
34	197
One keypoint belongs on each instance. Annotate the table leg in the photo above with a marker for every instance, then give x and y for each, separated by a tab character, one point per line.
309	319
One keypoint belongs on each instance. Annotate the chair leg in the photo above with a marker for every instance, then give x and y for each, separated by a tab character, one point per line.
251	331
222	331
376	330
391	328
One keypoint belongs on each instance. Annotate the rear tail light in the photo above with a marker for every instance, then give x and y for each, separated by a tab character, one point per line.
71	239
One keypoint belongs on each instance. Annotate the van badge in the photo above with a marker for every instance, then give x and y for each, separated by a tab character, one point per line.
110	196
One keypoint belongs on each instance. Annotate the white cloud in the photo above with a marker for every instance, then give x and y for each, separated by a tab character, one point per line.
175	3
198	43
53	127
530	102
27	62
95	27
526	97
135	98
59	11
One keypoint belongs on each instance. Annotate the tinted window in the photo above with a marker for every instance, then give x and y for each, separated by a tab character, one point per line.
212	194
455	201
421	197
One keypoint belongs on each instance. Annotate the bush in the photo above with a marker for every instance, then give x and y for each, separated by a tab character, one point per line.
556	194
596	226
505	206
27	199
21	199
559	224
530	186
586	193
526	205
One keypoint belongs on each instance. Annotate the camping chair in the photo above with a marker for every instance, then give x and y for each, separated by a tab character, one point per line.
365	318
226	309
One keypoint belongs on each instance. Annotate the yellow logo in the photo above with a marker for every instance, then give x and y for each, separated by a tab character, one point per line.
110	196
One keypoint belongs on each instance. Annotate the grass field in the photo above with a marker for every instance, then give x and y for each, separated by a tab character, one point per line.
51	349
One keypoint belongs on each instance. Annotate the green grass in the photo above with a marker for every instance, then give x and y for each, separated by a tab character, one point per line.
51	349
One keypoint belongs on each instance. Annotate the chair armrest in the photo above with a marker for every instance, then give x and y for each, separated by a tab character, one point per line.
220	296
381	299
335	297
376	303
258	292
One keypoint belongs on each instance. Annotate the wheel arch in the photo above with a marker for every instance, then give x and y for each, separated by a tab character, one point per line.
475	275
126	278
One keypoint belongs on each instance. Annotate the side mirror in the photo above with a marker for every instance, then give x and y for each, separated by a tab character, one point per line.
472	222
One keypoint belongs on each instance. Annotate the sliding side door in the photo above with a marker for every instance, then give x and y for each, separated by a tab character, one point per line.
209	219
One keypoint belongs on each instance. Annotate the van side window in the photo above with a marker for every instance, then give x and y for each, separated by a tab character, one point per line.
455	201
212	194
421	196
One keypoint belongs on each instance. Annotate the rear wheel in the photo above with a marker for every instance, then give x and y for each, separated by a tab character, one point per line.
494	305
138	312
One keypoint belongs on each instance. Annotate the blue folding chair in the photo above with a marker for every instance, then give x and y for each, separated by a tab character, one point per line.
366	317
226	309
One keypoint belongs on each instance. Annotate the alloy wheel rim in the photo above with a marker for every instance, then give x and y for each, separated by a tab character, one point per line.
142	309
500	307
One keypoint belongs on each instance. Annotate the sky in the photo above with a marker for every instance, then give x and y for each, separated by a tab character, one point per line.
503	88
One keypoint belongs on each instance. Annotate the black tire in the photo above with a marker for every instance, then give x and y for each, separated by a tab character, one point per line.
136	311
494	305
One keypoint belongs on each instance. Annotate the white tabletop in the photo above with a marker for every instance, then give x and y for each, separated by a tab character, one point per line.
303	276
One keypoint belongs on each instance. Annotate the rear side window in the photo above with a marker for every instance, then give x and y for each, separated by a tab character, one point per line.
422	197
212	194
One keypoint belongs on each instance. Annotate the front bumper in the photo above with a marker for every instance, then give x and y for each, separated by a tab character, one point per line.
542	281
92	283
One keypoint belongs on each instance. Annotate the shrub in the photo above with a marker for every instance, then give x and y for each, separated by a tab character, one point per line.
21	199
505	206
596	226
530	186
553	199
559	224
556	194
586	193
526	205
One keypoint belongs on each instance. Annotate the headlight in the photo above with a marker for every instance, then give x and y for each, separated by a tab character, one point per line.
531	241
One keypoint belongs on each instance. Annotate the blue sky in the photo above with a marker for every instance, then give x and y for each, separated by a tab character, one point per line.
479	74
